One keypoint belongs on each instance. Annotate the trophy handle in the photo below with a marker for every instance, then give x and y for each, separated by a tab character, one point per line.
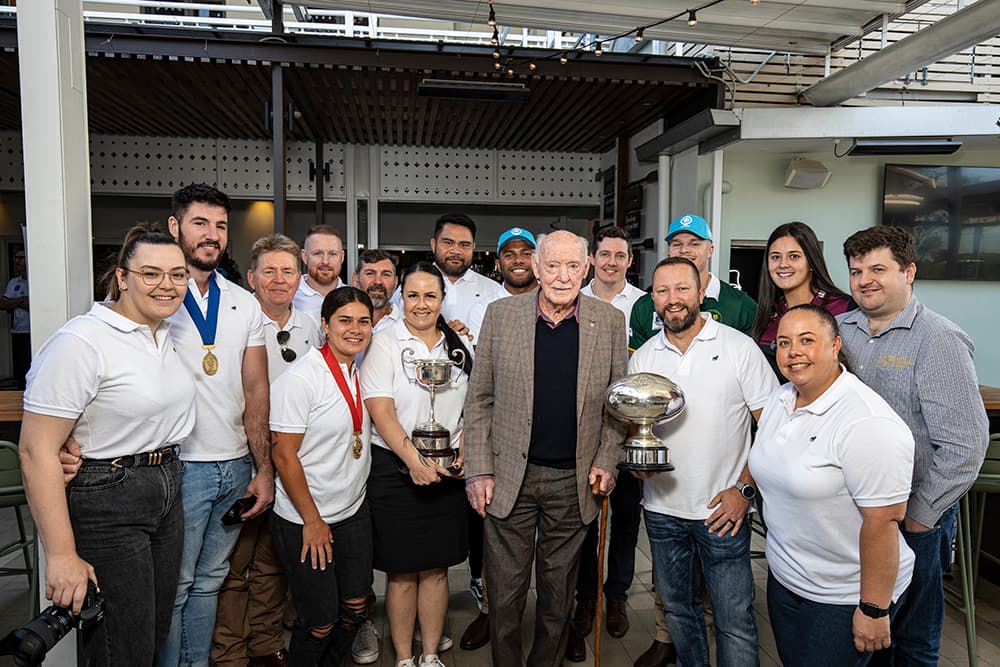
403	358
458	358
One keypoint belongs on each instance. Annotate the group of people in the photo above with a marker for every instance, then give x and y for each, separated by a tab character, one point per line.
203	464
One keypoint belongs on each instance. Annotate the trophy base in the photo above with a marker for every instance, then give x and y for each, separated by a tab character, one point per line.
645	459
435	445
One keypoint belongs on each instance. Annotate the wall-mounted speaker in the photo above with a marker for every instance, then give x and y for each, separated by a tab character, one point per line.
806	174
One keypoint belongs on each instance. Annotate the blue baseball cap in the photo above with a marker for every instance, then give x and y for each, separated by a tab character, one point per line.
516	234
692	224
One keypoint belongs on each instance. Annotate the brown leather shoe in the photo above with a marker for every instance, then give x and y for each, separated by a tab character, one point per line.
617	618
576	647
660	654
477	634
276	659
583	618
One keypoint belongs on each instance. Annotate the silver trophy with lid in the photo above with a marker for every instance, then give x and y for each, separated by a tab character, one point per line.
430	437
645	399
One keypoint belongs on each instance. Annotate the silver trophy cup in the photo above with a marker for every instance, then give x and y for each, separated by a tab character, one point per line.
645	399
431	438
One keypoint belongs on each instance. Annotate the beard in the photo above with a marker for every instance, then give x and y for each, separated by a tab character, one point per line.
517	282
450	269
192	259
378	296
683	324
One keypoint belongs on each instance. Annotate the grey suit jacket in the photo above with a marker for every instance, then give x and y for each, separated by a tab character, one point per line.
498	406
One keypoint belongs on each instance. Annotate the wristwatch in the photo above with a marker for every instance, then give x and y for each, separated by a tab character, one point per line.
872	610
748	491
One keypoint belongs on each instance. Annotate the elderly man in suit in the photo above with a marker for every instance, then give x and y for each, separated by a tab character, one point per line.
537	438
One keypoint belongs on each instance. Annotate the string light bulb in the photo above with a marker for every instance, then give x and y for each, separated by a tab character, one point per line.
638	35
599	48
692	18
496	54
532	66
495	40
497	66
754	2
492	21
510	71
562	59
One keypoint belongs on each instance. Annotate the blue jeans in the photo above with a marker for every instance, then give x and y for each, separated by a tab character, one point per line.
128	524
916	629
678	545
209	488
813	634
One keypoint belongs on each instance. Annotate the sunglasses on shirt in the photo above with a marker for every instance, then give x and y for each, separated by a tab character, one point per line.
287	353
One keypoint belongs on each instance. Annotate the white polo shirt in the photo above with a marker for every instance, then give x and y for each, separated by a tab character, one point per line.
390	318
724	376
478	312
382	375
306	399
309	301
623	301
460	296
814	467
218	434
303	334
128	393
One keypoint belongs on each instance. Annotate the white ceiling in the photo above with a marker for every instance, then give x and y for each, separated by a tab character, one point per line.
799	26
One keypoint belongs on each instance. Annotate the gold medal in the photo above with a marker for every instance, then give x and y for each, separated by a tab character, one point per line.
357	444
210	363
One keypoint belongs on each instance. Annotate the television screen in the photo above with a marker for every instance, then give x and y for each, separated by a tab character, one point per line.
954	213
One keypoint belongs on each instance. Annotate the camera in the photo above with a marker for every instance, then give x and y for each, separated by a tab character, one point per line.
30	643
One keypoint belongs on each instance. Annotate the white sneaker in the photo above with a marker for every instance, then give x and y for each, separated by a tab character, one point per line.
431	660
365	650
406	663
444	644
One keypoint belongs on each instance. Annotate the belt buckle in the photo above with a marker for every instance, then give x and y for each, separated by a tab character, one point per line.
115	462
155	458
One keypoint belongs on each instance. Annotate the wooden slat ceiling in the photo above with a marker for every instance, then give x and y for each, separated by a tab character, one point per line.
569	108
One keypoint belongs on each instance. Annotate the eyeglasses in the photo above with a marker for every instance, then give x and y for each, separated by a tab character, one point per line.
153	277
287	353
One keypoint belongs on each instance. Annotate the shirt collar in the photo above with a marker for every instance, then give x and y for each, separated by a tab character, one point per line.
403	334
307	289
574	314
826	400
903	320
708	332
714	287
102	311
292	323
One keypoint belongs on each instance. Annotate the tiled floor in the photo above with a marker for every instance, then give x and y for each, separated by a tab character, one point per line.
615	652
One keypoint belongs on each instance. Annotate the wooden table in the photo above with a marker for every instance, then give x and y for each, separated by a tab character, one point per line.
11	406
991	399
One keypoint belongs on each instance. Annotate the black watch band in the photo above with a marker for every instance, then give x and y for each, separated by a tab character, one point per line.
872	610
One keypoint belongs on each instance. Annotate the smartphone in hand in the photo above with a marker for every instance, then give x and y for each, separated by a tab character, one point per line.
234	514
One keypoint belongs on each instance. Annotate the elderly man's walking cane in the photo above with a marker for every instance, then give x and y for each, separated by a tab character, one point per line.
596	488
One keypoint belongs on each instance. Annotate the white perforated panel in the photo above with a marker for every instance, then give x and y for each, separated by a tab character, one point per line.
333	155
245	167
149	165
435	174
11	161
525	176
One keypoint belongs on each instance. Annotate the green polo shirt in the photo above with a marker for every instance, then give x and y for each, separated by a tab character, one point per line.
733	308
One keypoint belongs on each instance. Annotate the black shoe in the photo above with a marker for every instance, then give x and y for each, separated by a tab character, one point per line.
477	634
576	647
660	654
583	618
617	618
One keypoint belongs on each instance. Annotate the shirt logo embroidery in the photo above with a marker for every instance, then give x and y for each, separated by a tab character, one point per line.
715	358
812	439
895	361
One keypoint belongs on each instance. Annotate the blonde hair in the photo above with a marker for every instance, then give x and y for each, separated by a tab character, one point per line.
273	243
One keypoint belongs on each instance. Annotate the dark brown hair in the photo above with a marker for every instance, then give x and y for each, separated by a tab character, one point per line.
141	233
898	240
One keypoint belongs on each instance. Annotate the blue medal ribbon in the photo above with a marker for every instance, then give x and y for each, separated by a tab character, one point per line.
206	326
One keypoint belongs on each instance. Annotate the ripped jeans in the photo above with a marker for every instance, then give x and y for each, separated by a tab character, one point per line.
320	596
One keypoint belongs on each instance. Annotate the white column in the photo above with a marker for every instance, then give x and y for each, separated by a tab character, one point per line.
663	184
351	193
714	215
56	161
56	181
